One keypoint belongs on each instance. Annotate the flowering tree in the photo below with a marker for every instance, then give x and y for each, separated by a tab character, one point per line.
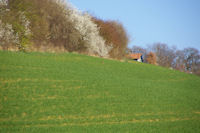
115	35
14	24
7	35
3	2
95	44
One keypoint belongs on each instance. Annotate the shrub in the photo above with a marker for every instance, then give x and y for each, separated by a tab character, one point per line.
151	58
7	35
115	35
89	31
14	14
23	30
60	31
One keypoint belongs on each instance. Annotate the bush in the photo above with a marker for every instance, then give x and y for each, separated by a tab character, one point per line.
115	35
16	17
7	35
60	31
151	58
94	43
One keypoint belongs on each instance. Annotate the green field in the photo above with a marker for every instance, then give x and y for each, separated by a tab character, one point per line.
65	92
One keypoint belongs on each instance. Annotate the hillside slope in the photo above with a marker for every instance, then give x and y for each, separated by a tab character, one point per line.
42	92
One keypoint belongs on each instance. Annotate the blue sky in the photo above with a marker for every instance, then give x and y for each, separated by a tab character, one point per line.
174	22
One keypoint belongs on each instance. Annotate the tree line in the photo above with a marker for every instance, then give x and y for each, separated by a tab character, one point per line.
186	60
54	24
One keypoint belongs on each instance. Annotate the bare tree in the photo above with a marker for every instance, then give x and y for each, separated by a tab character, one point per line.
191	59
187	60
165	55
179	60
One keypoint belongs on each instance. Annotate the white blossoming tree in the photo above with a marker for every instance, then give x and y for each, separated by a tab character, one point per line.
90	33
14	27
7	35
3	2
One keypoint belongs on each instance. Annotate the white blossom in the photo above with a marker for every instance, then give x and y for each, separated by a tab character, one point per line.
26	23
90	32
7	35
3	2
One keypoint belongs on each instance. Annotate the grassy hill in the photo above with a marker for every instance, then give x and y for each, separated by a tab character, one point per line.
43	92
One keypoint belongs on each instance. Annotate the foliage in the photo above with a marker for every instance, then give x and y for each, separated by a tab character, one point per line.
151	58
95	44
54	22
115	35
7	35
23	30
59	30
15	15
3	3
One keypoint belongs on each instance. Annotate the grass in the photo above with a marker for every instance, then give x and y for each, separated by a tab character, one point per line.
43	92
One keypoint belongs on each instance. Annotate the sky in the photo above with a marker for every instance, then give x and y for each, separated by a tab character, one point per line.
173	22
